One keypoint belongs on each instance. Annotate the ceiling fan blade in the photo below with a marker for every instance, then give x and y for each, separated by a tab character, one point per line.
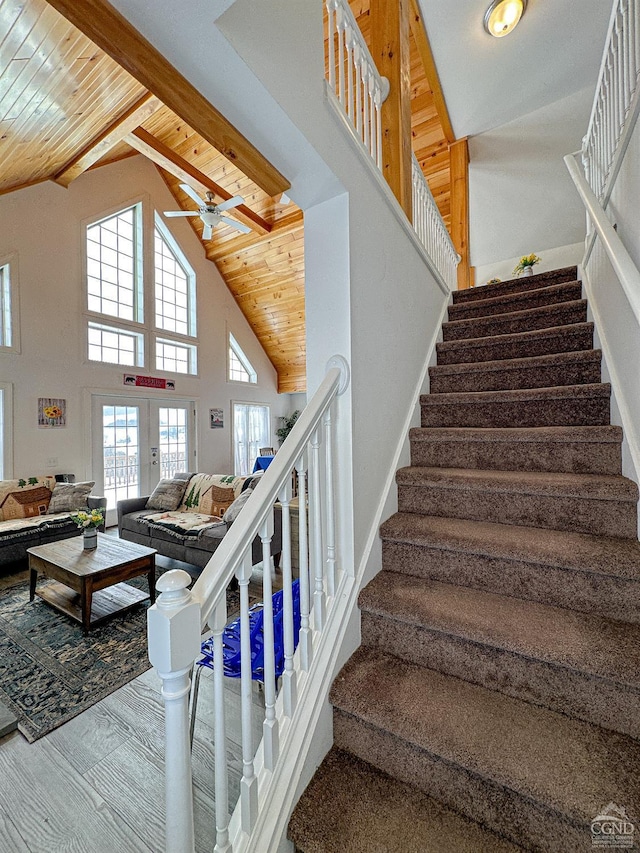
181	213
230	202
193	194
239	226
207	231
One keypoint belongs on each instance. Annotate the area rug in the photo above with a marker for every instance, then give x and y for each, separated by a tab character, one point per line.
50	672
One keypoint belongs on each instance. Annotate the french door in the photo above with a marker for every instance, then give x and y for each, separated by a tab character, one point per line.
136	442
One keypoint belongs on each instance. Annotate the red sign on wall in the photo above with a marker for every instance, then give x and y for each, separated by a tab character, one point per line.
149	382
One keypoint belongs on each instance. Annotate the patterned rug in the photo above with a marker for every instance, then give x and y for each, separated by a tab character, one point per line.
50	672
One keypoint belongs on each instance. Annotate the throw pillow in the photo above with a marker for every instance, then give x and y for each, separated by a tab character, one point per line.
70	497
234	510
167	495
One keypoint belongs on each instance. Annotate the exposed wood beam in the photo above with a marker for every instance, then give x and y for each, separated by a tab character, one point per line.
172	162
144	107
390	49
460	208
424	50
113	34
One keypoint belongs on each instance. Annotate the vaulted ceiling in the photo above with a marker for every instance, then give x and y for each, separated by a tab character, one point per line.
66	106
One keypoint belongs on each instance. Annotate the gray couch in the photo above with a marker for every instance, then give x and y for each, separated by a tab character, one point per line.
194	549
14	541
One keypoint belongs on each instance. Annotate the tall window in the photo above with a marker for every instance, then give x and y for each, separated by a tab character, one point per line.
174	304
240	368
6	438
251	431
8	313
113	275
118	284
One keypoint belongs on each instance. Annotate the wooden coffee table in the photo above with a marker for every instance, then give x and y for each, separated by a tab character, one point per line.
90	584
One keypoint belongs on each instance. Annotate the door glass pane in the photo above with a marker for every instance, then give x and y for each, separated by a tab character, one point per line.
172	441
121	453
251	432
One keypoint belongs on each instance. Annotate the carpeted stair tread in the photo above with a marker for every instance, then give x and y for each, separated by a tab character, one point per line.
568	767
587	450
547	295
556	339
586	643
587	486
351	807
541	371
606	556
515	285
561	405
530	319
584	503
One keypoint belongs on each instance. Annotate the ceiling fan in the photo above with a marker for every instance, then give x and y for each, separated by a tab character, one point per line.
210	213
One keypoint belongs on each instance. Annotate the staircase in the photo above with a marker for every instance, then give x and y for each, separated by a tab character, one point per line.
494	703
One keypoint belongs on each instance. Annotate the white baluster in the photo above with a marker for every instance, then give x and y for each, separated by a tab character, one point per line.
624	59
217	623
341	52
270	725
330	509
365	112
636	36
249	781
378	108
331	29
616	60
289	685
358	59
319	603
173	624
372	117
350	43
305	643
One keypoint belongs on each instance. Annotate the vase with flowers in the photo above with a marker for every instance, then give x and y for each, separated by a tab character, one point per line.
526	264
89	522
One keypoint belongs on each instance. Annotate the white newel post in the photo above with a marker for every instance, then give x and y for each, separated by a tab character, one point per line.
173	625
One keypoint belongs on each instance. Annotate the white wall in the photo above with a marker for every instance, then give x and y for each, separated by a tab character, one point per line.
522	199
550	259
41	226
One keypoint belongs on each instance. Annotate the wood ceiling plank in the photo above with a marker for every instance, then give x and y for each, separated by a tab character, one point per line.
167	159
109	137
113	33
419	34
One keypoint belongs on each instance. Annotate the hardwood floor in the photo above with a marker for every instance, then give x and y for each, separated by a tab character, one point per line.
96	783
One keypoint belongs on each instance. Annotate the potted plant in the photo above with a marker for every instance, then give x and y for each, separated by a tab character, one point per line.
526	264
287	425
89	522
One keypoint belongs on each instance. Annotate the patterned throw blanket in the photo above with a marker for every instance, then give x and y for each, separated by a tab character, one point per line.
181	524
14	528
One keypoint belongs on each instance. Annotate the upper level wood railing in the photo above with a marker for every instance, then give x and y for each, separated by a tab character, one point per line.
360	91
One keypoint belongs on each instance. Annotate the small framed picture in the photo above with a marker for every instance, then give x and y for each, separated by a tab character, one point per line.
51	413
216	418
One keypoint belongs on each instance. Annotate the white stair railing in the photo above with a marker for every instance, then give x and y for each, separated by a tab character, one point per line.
179	617
617	100
354	78
430	227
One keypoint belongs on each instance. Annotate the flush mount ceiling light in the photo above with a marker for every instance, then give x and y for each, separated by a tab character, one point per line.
502	16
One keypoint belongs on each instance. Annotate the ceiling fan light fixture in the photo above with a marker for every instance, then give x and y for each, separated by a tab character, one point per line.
502	16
